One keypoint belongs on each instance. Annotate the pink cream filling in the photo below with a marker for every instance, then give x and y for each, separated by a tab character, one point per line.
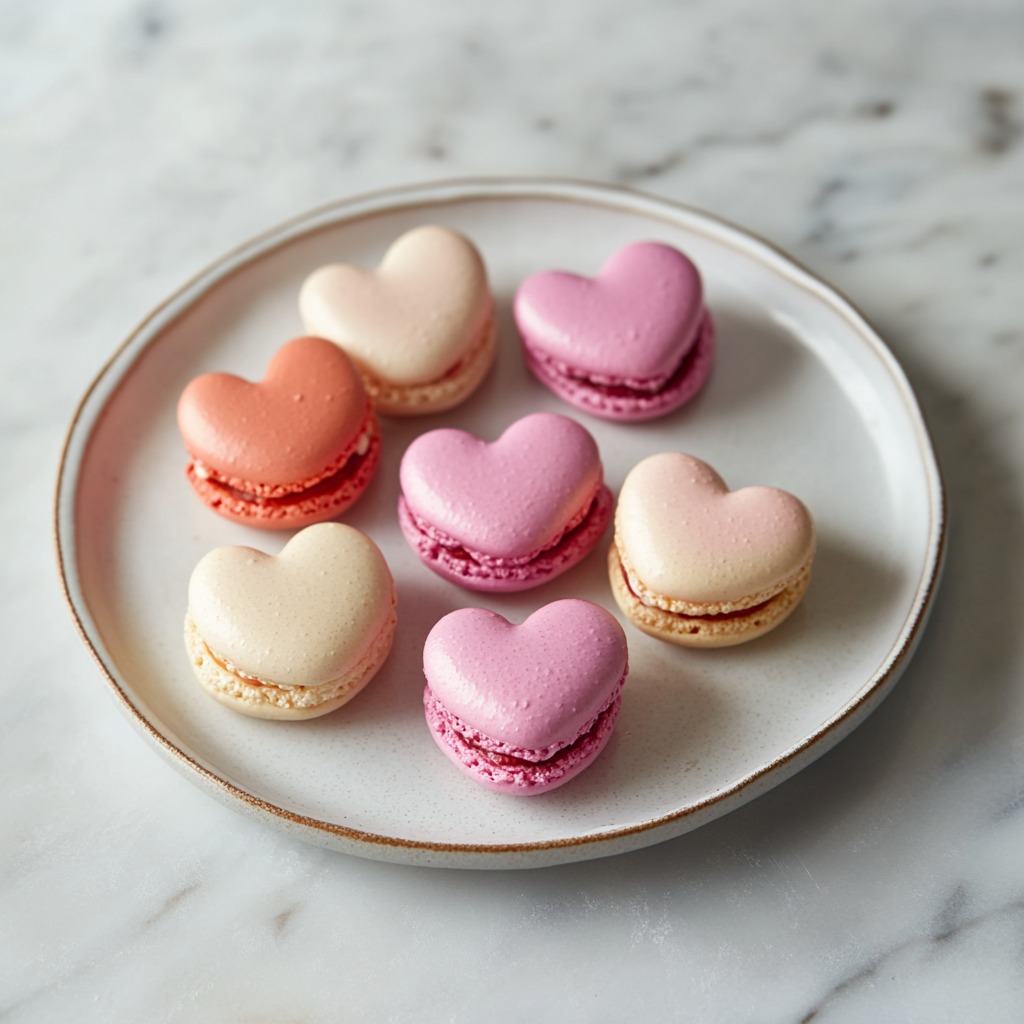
500	752
627	385
444	540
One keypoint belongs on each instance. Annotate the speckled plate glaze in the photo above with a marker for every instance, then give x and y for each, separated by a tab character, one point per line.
804	396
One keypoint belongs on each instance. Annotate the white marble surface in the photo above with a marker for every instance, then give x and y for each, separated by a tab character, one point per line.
880	143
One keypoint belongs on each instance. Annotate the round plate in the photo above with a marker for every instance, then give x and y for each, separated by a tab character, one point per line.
803	396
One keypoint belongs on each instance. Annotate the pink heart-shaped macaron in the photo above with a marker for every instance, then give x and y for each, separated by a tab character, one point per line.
688	537
531	687
283	429
506	498
631	323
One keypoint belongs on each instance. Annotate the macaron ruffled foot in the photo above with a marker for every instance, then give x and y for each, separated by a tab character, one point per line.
296	448
702	566
632	343
522	709
506	515
421	327
291	636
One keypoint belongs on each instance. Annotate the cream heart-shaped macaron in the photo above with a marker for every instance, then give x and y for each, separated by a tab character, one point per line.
420	327
293	635
524	708
700	565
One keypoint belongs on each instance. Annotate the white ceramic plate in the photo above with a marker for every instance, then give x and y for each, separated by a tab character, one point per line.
804	396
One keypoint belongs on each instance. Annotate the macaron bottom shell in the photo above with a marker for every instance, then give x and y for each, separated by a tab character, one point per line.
624	402
722	629
476	571
325	499
512	775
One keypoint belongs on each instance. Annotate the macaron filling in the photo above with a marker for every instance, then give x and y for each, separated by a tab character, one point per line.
754	614
507	766
501	749
357	460
229	683
705	609
441	549
694	352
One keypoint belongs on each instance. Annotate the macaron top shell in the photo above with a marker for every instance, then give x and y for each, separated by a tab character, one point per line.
412	319
689	537
288	427
632	323
533	685
516	495
300	618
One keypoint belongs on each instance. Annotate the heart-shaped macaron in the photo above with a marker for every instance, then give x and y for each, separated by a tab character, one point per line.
689	537
701	565
425	314
319	613
631	324
506	498
534	685
282	430
523	708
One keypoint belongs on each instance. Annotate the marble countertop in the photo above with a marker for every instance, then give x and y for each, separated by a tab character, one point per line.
880	144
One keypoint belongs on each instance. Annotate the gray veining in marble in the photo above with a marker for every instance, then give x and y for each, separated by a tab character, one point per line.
882	144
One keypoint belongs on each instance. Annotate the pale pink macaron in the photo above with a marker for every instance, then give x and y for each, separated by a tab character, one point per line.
509	514
632	343
703	566
522	709
421	326
295	448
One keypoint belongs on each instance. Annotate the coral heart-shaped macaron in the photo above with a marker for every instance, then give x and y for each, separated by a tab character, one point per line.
284	427
420	326
686	545
296	634
508	514
630	343
524	707
296	447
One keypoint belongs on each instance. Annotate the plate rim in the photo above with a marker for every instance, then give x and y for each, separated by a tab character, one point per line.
436	193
